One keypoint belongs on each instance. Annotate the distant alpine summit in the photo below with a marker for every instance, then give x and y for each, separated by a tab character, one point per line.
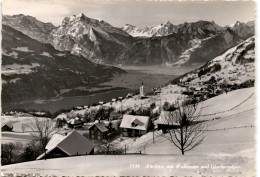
168	28
94	39
100	42
160	30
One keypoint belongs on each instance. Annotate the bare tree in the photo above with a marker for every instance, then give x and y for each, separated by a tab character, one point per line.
42	128
184	126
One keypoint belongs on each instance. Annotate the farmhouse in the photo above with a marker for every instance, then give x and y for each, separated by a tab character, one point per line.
72	144
98	131
134	126
6	128
75	123
166	121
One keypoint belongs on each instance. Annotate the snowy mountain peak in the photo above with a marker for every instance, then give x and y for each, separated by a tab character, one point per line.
162	29
168	23
81	15
82	18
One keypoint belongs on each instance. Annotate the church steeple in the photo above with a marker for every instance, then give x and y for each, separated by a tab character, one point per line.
142	90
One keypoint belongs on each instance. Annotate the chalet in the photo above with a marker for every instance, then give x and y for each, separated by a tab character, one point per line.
98	131
75	123
6	128
134	126
72	144
166	121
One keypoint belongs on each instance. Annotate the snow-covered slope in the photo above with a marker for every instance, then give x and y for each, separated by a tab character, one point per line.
234	66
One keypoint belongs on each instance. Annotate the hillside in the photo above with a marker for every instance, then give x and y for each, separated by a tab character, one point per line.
33	70
234	66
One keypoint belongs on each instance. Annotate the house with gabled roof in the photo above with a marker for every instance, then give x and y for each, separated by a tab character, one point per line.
73	144
134	126
98	130
7	127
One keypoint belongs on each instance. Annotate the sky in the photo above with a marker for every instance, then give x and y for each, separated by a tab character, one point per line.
139	13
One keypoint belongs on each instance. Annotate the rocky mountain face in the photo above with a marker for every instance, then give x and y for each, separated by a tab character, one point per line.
94	39
236	65
33	70
183	44
30	26
243	29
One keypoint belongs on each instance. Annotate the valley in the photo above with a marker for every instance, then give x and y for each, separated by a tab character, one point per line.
118	86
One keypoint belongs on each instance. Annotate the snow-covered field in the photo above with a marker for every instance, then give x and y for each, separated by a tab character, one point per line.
135	165
18	69
21	129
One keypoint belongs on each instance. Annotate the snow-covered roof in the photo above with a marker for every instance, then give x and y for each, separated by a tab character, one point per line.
165	118
72	144
141	121
56	138
74	122
101	126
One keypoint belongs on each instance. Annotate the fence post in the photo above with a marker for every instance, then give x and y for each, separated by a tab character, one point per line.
153	135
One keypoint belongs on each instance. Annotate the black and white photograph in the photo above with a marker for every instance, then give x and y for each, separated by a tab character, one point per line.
128	88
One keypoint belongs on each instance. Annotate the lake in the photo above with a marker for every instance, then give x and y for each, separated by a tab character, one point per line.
153	76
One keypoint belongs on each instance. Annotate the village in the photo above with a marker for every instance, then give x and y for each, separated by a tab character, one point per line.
126	125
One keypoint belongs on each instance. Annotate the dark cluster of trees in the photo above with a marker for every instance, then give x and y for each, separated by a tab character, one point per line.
15	153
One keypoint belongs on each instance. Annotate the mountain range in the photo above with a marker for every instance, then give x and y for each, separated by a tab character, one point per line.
34	70
100	42
40	60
